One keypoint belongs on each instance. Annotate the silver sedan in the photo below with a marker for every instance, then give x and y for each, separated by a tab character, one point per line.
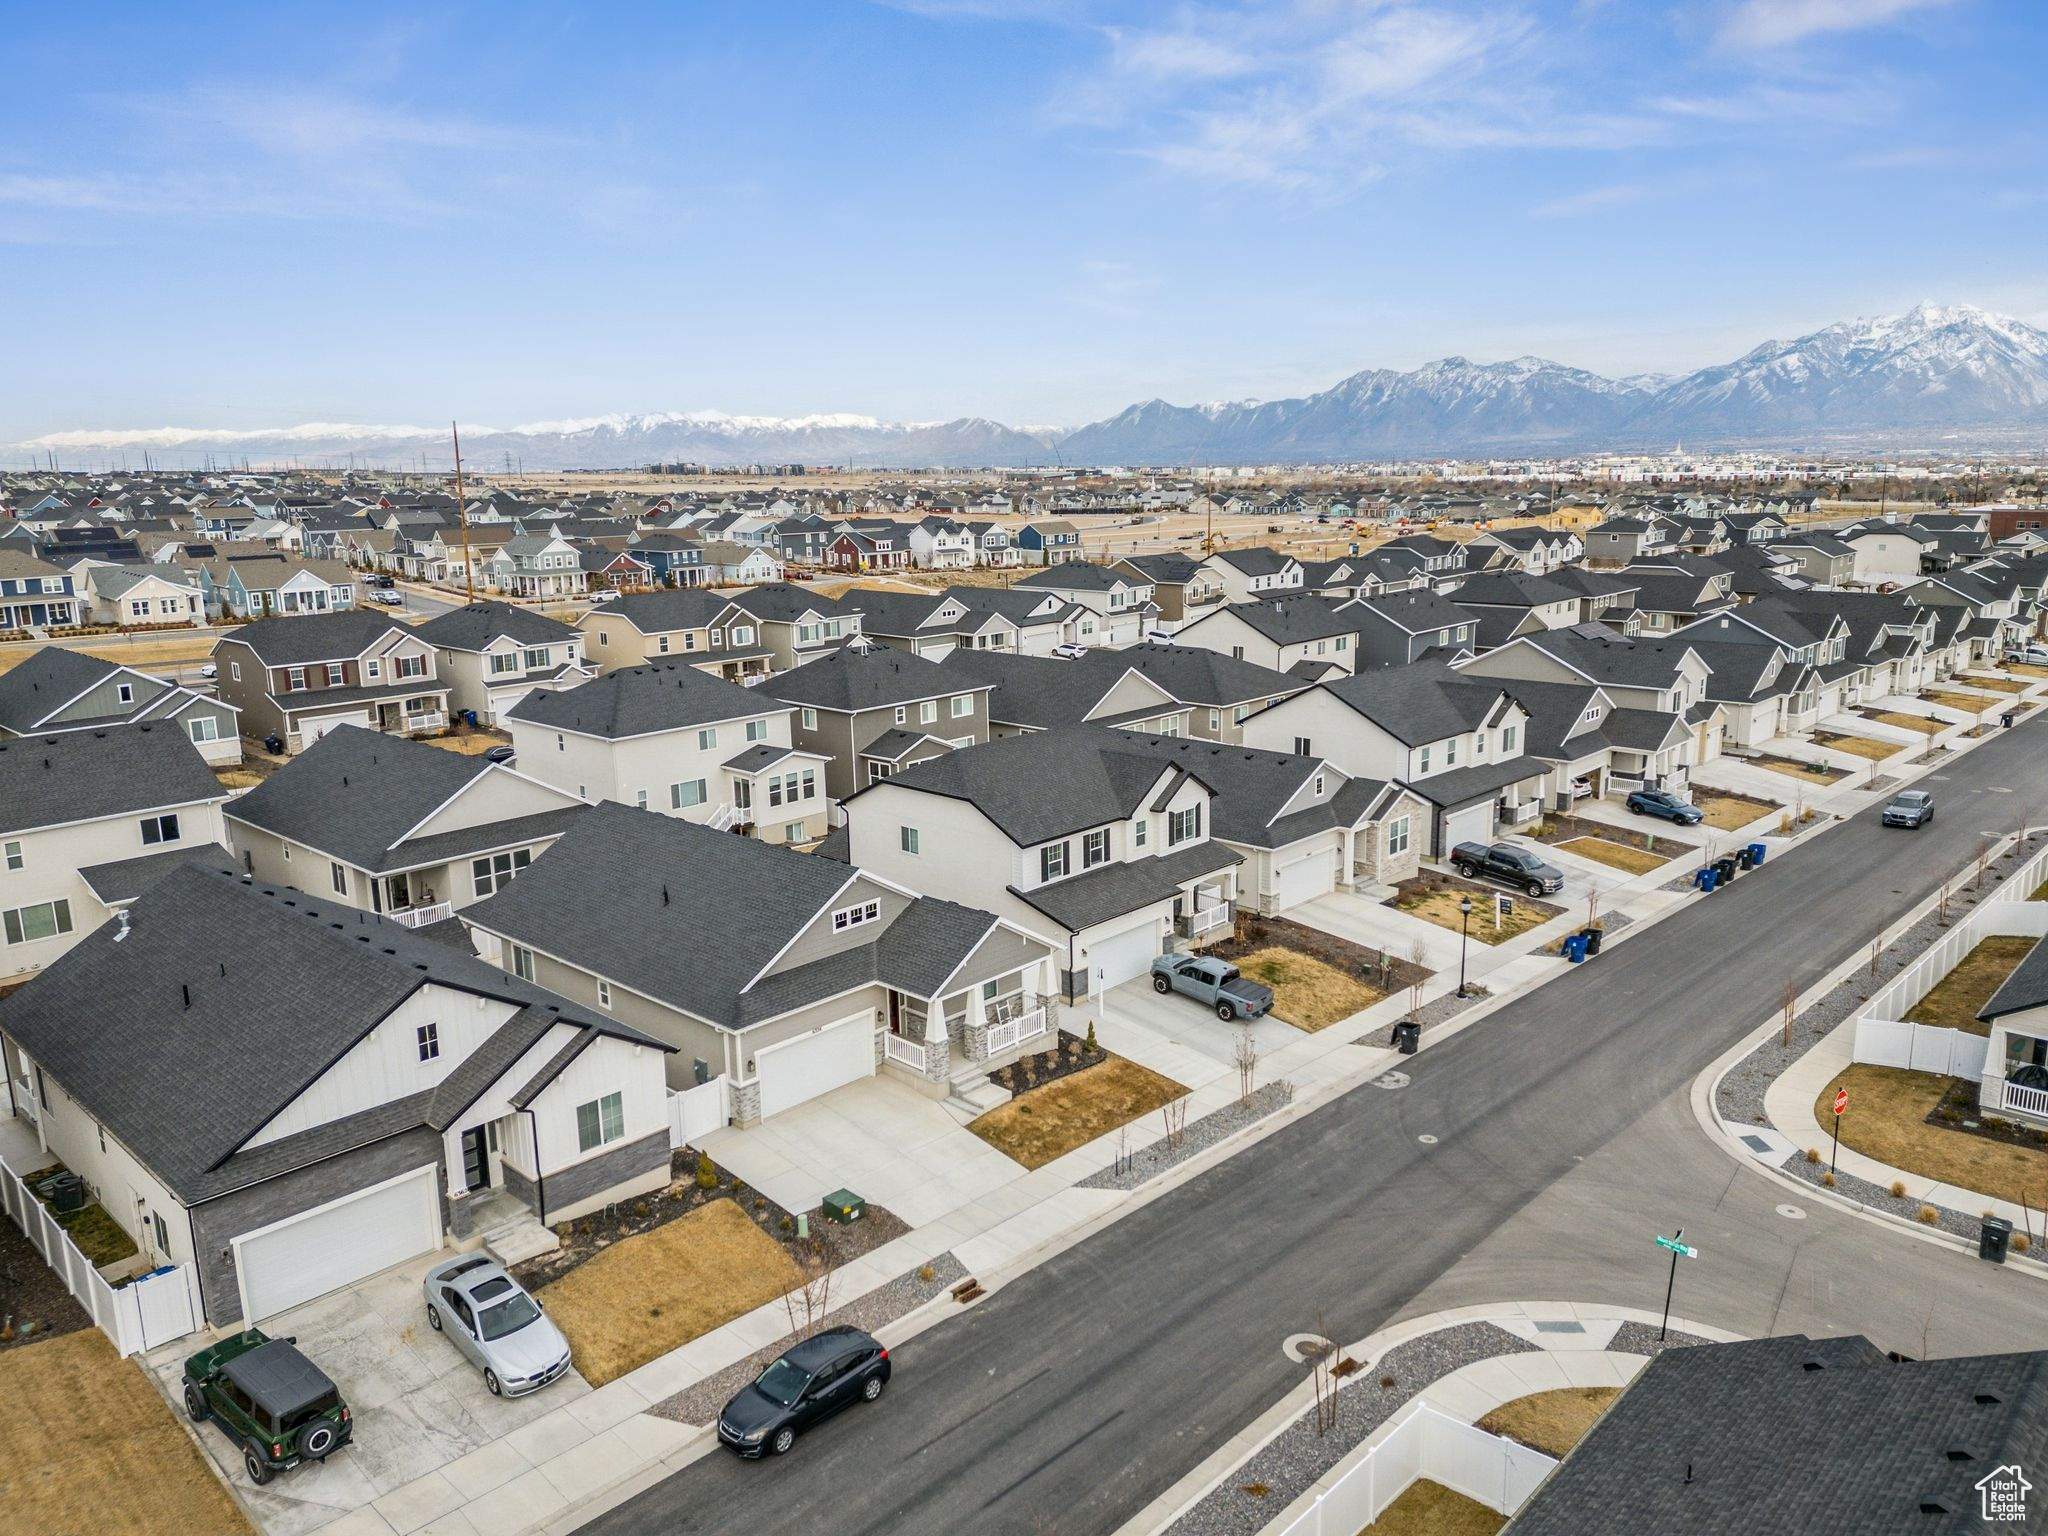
490	1318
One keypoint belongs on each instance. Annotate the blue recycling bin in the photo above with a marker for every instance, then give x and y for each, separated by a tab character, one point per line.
469	718
1575	948
1756	853
1705	878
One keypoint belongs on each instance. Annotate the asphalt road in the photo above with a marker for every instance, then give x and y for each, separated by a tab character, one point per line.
1078	1393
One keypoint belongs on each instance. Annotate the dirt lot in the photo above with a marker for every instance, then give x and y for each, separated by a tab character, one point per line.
1045	1123
1958	996
32	1298
1550	1422
88	1447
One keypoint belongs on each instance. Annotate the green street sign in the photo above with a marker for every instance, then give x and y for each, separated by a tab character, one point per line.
1683	1250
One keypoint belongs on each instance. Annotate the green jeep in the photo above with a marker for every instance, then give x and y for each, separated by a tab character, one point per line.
270	1398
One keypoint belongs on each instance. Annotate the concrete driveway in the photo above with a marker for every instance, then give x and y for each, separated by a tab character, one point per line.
417	1404
880	1138
1174	1035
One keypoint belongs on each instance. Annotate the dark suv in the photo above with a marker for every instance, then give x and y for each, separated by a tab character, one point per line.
819	1376
274	1402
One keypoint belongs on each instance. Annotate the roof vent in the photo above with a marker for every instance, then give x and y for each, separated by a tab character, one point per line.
186	991
1812	1365
1959	1453
1935	1504
1987	1399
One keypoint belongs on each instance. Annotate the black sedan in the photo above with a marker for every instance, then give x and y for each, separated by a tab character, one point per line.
1661	802
819	1376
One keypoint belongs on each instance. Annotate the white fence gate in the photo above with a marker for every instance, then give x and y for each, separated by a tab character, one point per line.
698	1111
1921	1048
1424	1443
159	1307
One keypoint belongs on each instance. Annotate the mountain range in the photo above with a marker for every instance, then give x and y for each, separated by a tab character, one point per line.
1938	377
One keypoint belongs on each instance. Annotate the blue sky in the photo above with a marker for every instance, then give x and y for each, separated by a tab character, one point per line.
1034	210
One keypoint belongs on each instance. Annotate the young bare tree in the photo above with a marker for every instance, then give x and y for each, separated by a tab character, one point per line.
1418	961
1321	1357
1244	1054
1791	1011
809	1301
1175	1116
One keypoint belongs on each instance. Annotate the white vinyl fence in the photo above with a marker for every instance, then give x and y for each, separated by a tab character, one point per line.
159	1307
1921	1048
1885	1039
1423	1443
697	1112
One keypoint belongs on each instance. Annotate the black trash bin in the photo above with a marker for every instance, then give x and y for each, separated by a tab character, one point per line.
1744	859
1592	938
1725	866
1407	1037
1993	1238
2008	718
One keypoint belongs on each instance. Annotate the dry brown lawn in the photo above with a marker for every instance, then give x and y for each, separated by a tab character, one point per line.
1906	722
2026	669
1995	684
1550	1422
1430	1509
239	778
1615	855
1049	1122
1441	907
1858	746
644	1296
1307	992
1968	703
468	743
1887	1120
1795	768
1727	812
88	1447
1958	996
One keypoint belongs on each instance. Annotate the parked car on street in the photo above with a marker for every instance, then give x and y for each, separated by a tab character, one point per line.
1661	802
388	598
2028	655
1909	808
488	1316
1509	865
1213	982
1069	651
272	1401
807	1385
604	595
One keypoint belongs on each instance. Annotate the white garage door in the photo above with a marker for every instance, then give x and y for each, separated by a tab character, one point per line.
1304	880
1474	824
816	1063
312	730
1122	956
336	1244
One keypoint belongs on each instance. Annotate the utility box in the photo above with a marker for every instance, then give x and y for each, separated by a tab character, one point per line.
844	1207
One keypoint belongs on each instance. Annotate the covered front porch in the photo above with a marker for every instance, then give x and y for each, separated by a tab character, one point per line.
950	1041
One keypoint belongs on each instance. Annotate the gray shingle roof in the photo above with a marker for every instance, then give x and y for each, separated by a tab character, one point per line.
2026	987
307	638
678	608
849	681
638	701
49	781
1251	788
476	625
125	879
45	681
1422	702
1076	576
1111	890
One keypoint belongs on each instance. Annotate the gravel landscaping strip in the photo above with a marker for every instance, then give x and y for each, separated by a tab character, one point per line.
1429	1015
1149	1162
1289	1464
1641	1339
884	1304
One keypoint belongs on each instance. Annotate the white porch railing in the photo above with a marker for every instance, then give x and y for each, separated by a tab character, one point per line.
152	1310
904	1051
419	917
1521	813
432	720
723	817
1206	921
2027	1101
1011	1033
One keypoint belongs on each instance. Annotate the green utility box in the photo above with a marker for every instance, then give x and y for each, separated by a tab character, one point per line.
844	1207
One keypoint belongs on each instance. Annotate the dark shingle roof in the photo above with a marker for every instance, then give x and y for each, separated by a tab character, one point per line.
638	701
476	625
849	680
125	879
307	638
2026	987
50	781
1113	889
44	682
1422	702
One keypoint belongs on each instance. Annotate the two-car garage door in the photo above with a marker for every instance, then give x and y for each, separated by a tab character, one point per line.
1121	956
827	1058
1304	880
336	1244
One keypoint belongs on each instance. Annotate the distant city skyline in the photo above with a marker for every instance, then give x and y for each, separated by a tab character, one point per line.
1036	211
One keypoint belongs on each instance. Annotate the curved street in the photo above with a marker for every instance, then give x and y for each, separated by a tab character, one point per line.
1564	1139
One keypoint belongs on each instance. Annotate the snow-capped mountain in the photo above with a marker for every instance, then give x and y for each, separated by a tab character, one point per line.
1950	374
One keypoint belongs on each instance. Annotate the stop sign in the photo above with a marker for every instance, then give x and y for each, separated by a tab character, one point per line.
1841	1100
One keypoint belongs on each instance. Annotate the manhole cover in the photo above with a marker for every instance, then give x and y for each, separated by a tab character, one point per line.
1304	1347
1791	1213
1391	1080
1427	1140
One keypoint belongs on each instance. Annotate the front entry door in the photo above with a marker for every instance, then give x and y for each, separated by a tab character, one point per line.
476	1161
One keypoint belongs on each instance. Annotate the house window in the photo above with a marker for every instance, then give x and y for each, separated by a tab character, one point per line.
522	963
757	730
160	829
337	674
793	832
902	715
1052	862
373	670
503	662
600	1122
1451	752
126	691
661	644
878	771
43	921
1138	832
203	728
338	878
294	679
1422	761
1397	835
963	705
854	916
810	719
1183	826
909	839
604	994
1318	786
429	1038
1215	719
707	739
1095	849
1507	741
1301	745
928	711
682	796
493	873
640	798
410	666
12	852
235	671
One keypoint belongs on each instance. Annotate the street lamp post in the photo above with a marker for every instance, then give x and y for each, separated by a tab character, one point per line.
1464	936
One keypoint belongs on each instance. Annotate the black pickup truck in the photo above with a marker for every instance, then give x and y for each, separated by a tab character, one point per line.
1509	865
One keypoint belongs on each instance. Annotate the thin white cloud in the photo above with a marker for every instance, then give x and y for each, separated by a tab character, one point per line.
1781	23
1592	200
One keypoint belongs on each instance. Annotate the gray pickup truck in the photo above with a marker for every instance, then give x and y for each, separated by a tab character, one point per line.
1214	982
1509	865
